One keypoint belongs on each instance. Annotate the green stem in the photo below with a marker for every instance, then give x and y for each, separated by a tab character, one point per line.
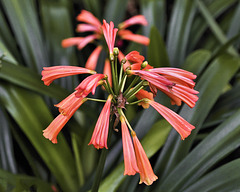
101	164
131	85
114	77
98	100
122	83
109	88
136	88
136	102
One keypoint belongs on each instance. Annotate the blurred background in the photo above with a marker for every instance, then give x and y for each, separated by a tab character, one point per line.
201	36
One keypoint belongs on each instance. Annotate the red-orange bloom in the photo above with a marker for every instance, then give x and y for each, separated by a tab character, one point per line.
176	87
49	74
60	121
110	34
107	71
144	94
135	57
88	85
87	17
100	133
128	35
130	161
147	175
179	124
137	19
93	58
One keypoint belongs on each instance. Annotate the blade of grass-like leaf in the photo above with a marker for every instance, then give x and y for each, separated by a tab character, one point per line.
214	26
222	141
93	6
115	11
154	11
227	104
210	87
157	54
5	54
199	26
7	38
6	145
32	115
151	143
225	178
22	183
25	25
28	79
197	61
235	24
179	29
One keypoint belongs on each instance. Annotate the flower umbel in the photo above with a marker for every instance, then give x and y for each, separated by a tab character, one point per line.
121	88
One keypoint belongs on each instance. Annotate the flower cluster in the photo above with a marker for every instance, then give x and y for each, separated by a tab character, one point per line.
178	84
91	24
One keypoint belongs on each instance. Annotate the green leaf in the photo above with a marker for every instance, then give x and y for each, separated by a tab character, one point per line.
210	87
154	11
221	142
28	79
216	8
32	115
214	26
7	160
235	24
151	143
115	11
9	181
93	6
225	178
179	29
26	28
197	61
157	54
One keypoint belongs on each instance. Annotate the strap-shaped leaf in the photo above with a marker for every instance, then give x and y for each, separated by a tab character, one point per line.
222	141
210	87
225	178
157	54
32	115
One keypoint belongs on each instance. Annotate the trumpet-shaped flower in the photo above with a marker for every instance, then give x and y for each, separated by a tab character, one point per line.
93	58
147	175
142	94
177	87
110	34
60	121
179	124
49	74
100	133
130	161
88	85
137	19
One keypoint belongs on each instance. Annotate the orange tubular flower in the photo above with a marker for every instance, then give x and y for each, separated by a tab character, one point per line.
60	121
130	161
144	94
135	57
147	175
181	125
128	35
110	34
88	85
49	74
107	71
93	58
100	133
87	17
137	19
176	87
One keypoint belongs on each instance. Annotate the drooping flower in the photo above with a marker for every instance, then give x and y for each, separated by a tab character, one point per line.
137	19
109	33
100	133
176	87
179	124
88	85
147	175
60	121
130	161
130	36
49	74
142	94
93	58
92	24
107	71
